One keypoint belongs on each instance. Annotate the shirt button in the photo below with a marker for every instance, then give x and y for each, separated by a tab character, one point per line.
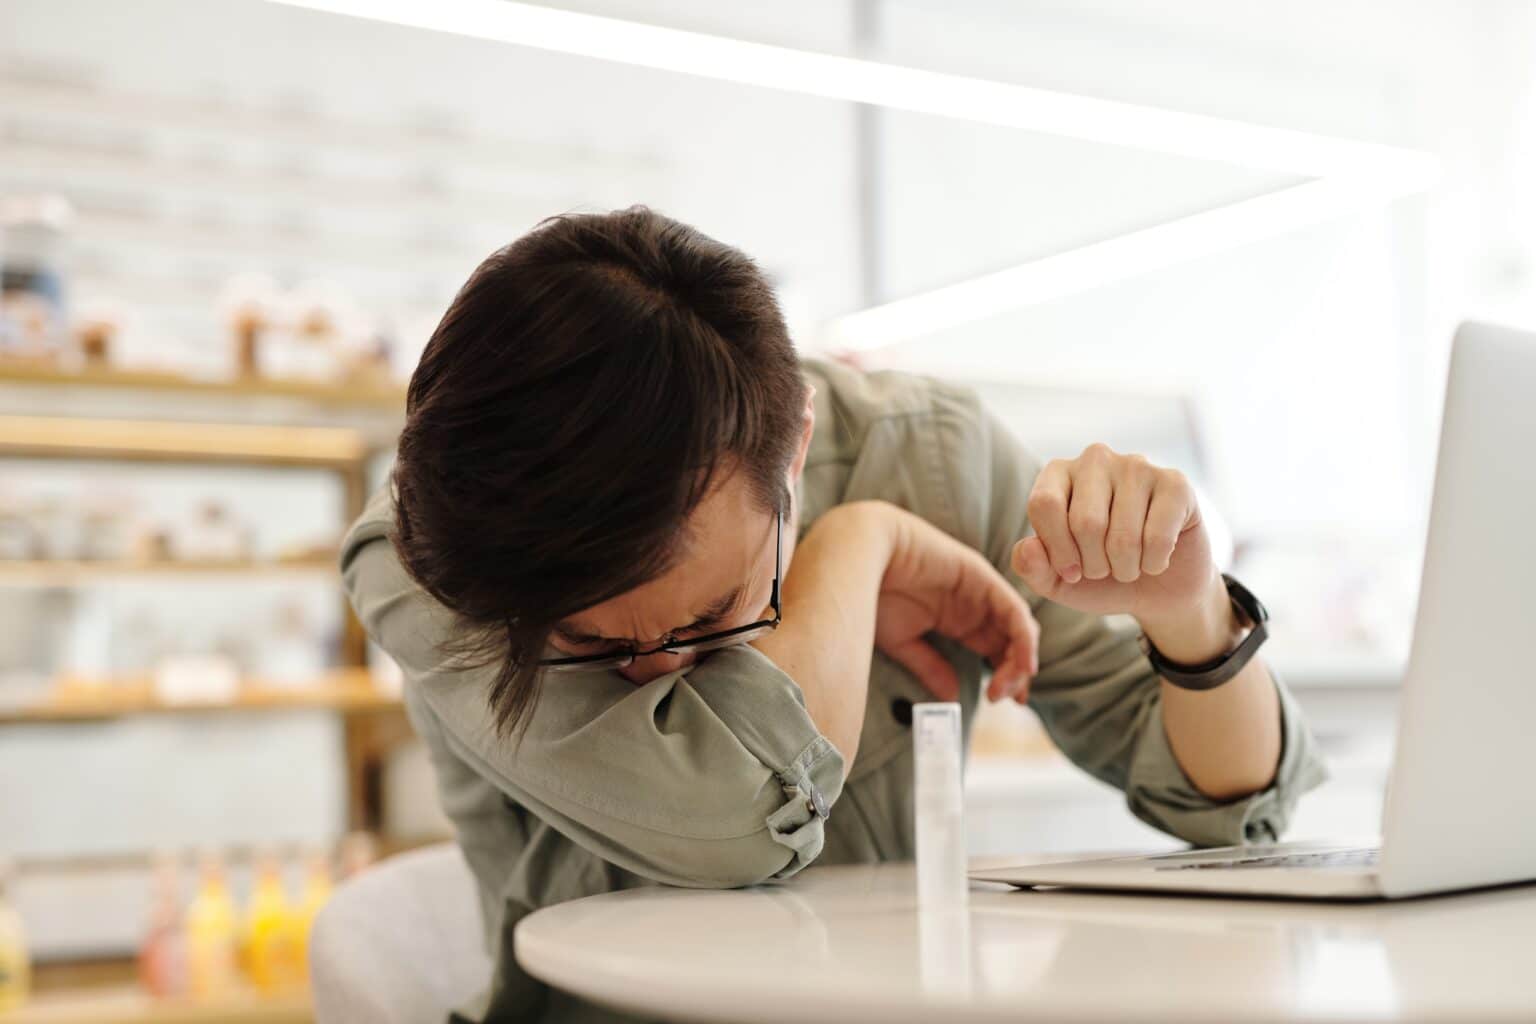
901	710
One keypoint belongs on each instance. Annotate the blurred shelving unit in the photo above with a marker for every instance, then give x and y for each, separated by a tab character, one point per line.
371	717
374	721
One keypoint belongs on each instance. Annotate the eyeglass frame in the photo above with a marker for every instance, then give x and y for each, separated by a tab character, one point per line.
626	657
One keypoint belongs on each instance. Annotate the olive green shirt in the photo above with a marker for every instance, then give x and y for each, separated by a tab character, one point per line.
715	775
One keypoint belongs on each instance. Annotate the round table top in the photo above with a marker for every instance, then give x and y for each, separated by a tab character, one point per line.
849	944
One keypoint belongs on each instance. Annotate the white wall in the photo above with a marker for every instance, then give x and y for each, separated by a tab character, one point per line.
1318	355
769	172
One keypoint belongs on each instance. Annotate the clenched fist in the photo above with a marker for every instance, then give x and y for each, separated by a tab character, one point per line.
1115	534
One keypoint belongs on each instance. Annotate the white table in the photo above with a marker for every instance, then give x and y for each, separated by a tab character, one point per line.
848	944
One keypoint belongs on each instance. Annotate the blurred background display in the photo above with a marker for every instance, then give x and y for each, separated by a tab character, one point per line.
227	230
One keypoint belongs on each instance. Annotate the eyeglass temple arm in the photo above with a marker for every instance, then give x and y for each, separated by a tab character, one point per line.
778	564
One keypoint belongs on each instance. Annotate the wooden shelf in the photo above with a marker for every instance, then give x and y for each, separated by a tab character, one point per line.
128	1004
350	691
51	573
366	394
108	992
172	441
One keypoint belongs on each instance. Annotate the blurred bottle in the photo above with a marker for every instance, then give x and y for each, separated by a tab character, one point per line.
271	953
247	303
163	956
321	318
33	229
302	339
106	525
15	965
96	336
293	653
317	890
18	537
212	535
210	933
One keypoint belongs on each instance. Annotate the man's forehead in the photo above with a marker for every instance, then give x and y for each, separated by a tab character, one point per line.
706	577
718	545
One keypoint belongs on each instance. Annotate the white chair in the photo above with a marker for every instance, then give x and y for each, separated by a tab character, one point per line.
400	943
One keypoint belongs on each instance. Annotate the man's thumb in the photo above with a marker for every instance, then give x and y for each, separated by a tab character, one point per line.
1034	567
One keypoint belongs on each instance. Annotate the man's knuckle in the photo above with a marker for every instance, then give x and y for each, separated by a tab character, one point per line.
1137	468
1089	522
1096	451
1046	498
1122	540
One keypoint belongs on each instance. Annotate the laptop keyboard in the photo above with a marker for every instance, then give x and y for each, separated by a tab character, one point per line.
1361	858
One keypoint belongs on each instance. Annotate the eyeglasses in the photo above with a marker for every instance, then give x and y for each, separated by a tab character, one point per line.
697	645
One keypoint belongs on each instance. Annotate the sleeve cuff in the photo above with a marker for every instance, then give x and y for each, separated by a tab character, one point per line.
1159	793
811	783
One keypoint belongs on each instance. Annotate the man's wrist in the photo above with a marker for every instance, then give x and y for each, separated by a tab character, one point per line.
1208	629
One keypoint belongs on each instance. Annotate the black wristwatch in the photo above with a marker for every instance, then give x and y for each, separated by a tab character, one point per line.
1211	674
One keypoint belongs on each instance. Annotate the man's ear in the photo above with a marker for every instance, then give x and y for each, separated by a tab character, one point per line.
807	427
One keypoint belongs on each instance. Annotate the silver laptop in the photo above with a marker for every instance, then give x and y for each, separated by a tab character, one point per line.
1461	804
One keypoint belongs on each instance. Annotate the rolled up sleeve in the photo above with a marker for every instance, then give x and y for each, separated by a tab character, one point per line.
713	776
1096	694
1101	702
1160	794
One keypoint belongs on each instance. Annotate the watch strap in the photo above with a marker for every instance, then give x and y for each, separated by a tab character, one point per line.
1211	674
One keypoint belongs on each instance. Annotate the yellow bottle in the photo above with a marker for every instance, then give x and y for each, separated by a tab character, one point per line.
210	925
317	890
15	965
269	939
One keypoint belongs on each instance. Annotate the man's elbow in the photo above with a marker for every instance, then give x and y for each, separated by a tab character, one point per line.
730	864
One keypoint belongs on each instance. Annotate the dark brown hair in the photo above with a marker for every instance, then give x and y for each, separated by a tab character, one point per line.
571	409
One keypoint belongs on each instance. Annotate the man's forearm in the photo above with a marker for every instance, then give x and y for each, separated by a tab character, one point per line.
1227	740
826	640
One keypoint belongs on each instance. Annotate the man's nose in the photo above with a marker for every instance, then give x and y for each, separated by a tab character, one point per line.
647	667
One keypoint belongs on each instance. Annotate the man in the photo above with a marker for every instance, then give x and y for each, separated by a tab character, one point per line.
663	594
